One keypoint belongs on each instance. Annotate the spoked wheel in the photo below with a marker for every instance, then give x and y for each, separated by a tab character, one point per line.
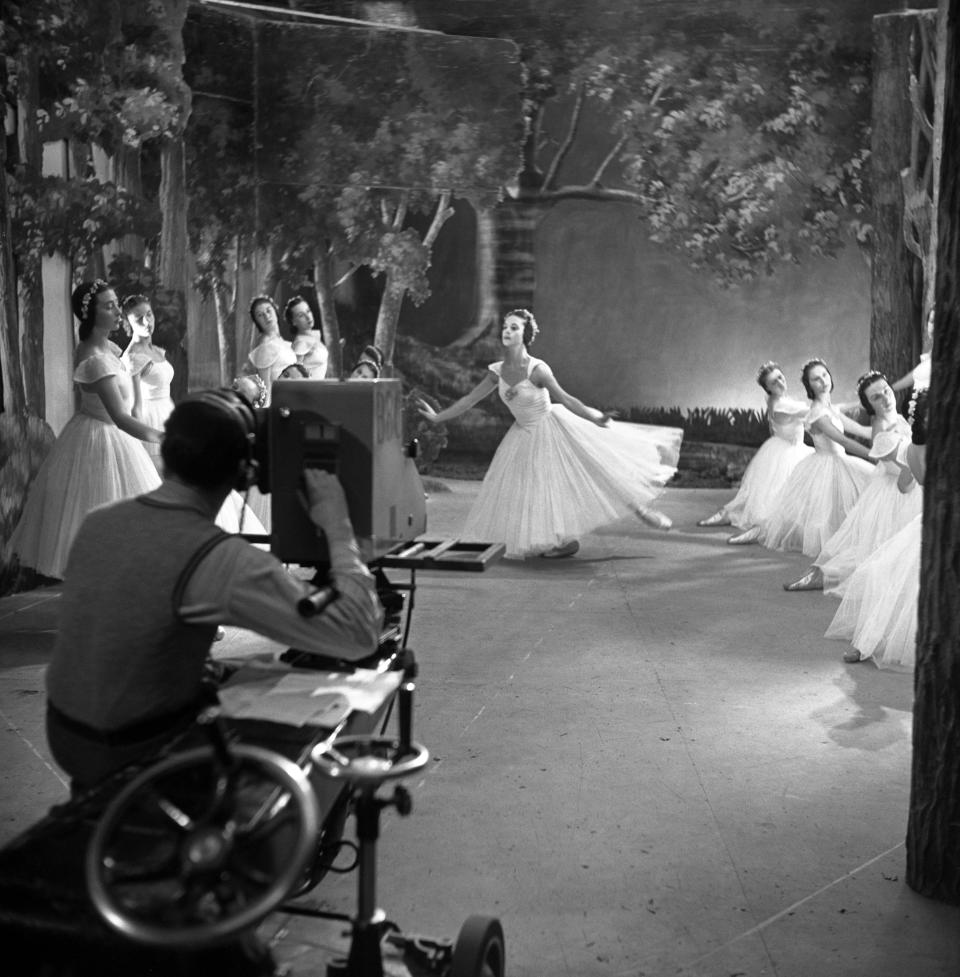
193	851
479	950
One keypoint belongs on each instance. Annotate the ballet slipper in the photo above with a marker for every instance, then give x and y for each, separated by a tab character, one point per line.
717	519
852	656
811	580
654	518
742	539
564	549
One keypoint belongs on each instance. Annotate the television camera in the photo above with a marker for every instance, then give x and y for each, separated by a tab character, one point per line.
171	866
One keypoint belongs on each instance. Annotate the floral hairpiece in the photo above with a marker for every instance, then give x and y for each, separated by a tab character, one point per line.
912	406
94	288
261	400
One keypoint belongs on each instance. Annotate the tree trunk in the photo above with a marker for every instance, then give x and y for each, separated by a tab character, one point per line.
127	174
385	334
329	321
30	281
515	271
487	309
933	829
225	337
11	376
897	286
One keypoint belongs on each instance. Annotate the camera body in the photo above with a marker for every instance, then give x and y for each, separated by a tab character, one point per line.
353	429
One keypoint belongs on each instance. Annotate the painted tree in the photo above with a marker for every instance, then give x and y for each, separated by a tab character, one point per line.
99	89
933	830
375	133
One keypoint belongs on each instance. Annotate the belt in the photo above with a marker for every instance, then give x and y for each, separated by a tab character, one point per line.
132	733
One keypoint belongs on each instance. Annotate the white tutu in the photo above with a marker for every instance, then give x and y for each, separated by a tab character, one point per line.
817	496
91	464
878	613
556	476
881	512
766	474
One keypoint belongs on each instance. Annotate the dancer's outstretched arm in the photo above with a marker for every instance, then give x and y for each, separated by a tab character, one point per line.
486	386
822	426
543	376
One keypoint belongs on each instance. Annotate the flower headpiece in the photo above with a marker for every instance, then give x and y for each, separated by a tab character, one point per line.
95	287
257	380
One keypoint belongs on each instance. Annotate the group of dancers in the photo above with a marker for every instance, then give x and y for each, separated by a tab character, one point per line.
855	510
562	470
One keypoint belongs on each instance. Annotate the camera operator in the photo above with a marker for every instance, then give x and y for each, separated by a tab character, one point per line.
149	580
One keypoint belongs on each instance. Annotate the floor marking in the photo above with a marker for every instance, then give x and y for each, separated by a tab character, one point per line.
800	902
13	727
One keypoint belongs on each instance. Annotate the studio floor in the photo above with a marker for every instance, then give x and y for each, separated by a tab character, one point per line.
646	760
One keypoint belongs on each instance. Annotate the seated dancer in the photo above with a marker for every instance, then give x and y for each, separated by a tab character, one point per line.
885	506
878	612
307	343
822	489
127	676
271	353
774	461
563	469
370	364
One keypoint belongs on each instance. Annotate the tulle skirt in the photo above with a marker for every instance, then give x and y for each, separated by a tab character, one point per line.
562	477
91	464
814	501
764	477
878	613
881	512
155	413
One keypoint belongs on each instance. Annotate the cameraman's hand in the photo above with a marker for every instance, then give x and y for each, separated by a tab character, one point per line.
325	501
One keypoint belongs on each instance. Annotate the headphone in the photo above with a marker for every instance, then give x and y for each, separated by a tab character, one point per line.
240	411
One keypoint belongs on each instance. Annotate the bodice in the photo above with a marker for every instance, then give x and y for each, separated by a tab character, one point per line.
96	367
525	400
269	358
310	351
790	430
887	440
823	444
155	382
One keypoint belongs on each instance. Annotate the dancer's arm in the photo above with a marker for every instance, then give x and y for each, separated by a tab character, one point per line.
543	376
108	392
822	426
486	386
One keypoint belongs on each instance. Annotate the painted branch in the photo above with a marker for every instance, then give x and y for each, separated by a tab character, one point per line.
567	141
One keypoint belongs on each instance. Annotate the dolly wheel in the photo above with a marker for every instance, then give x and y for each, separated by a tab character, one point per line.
479	950
192	852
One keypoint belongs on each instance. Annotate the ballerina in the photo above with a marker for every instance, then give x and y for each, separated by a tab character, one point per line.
774	461
99	456
889	501
555	476
822	489
150	365
878	612
307	344
271	354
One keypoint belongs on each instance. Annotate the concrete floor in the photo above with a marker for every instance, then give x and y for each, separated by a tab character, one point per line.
646	760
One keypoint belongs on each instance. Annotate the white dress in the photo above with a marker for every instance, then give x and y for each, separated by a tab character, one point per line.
91	464
881	512
269	358
878	613
310	352
556	476
819	493
769	468
156	405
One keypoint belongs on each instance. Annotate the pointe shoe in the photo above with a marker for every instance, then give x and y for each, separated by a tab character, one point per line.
558	552
654	518
742	539
717	519
811	580
852	656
